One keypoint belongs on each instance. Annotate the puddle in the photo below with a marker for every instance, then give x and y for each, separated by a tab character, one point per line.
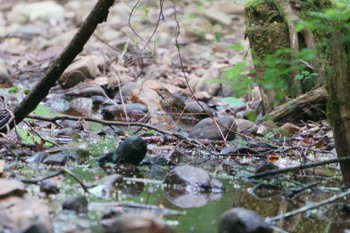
205	218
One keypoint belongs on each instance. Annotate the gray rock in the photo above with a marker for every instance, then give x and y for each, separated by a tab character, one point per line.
83	68
192	180
209	129
217	16
134	111
49	187
5	78
77	204
48	11
56	159
194	107
240	220
134	222
245	126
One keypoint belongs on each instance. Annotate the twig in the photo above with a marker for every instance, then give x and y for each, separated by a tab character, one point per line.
118	123
309	207
11	151
64	170
185	76
288	169
37	134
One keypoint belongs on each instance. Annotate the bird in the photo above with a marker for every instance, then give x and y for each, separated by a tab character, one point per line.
175	107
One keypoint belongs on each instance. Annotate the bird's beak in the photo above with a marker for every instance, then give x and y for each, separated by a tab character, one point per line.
154	89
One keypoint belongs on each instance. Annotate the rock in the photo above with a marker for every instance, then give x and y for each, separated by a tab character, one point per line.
25	215
199	108
77	204
47	11
35	228
288	129
5	78
266	127
37	157
240	220
229	8
117	112
59	159
245	126
80	106
81	69
11	188
217	16
132	151
194	180
208	129
48	187
97	100
134	222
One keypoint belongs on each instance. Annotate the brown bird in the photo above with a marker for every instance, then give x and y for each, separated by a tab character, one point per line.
176	107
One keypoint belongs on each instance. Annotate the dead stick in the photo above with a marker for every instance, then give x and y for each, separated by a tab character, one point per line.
309	207
288	169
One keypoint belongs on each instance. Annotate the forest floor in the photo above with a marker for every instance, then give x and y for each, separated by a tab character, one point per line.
107	96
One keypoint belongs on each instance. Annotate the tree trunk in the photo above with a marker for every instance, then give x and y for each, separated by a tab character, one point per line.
338	102
276	46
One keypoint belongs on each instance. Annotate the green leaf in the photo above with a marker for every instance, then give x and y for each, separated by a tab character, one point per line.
217	36
41	110
14	89
29	138
236	47
233	102
146	10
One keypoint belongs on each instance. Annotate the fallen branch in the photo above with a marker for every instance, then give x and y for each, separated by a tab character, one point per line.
118	123
64	170
295	106
288	169
309	207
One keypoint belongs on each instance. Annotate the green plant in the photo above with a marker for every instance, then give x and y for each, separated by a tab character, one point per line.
305	75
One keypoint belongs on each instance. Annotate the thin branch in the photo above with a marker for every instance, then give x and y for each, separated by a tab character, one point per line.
296	168
308	207
118	123
64	170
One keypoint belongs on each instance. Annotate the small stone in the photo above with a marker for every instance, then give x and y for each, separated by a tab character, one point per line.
134	111
208	129
48	11
245	126
288	129
77	204
217	16
5	78
240	220
48	187
38	157
134	222
198	108
59	159
266	127
192	179
83	68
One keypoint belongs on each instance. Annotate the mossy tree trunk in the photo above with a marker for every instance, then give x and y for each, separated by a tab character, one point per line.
338	100
276	46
